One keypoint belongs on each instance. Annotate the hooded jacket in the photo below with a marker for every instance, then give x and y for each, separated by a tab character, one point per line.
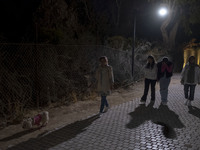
151	73
184	75
162	73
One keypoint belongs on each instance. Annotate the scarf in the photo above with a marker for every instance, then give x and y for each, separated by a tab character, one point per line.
191	73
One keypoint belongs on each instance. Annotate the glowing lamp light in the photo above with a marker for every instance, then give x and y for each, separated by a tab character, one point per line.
162	12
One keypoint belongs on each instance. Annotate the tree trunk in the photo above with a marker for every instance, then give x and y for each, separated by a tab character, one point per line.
169	36
118	2
164	32
172	35
87	9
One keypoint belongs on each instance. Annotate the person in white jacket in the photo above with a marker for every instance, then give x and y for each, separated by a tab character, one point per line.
105	82
190	77
150	71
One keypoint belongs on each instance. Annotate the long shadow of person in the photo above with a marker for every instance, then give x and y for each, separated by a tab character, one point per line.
169	120
56	137
194	111
162	116
18	135
140	115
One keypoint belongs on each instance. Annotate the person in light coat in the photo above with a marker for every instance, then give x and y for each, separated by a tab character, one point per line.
105	81
150	71
190	77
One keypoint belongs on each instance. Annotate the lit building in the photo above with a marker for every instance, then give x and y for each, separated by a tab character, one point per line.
192	49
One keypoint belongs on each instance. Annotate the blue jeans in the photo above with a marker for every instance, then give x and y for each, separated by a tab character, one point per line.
164	84
191	88
104	102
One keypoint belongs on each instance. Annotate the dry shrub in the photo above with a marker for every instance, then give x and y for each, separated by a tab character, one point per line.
36	76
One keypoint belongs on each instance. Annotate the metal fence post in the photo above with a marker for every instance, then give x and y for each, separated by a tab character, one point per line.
36	69
133	49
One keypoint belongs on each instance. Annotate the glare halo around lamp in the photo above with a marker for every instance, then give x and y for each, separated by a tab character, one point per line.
163	11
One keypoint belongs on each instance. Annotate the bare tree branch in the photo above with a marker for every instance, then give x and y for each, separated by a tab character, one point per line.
86	9
118	2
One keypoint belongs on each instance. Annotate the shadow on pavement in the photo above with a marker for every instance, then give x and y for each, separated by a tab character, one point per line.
194	111
56	137
162	116
18	135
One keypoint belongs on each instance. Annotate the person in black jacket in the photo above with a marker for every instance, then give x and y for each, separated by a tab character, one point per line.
165	72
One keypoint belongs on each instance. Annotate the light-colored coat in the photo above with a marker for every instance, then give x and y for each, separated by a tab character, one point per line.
185	72
105	79
151	73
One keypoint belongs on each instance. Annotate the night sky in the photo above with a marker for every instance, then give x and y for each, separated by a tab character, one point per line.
17	19
148	21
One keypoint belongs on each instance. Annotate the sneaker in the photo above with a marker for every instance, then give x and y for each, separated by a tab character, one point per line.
186	102
189	103
100	114
142	102
106	109
164	103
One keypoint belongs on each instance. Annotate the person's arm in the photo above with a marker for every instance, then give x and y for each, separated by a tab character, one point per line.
111	76
158	71
97	74
183	72
169	68
163	67
198	75
182	75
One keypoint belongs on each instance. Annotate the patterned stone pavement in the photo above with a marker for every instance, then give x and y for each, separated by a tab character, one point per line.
131	126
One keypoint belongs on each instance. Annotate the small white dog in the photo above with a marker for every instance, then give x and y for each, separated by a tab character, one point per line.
41	120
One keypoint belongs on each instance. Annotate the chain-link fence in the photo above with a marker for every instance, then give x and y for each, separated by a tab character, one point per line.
32	76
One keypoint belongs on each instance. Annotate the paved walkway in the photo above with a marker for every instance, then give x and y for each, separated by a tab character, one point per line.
131	126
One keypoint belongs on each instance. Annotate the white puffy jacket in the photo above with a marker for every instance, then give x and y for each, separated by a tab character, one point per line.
151	73
185	72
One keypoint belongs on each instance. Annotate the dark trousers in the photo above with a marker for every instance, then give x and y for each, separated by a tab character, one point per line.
189	89
148	82
104	102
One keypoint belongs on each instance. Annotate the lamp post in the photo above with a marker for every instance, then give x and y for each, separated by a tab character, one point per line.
133	49
163	11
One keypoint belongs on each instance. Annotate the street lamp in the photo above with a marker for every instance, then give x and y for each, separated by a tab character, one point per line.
163	11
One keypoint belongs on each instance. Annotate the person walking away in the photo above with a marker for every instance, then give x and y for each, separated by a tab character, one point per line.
150	73
105	82
190	76
165	72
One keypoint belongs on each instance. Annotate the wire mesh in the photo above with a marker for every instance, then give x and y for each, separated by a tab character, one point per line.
32	76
